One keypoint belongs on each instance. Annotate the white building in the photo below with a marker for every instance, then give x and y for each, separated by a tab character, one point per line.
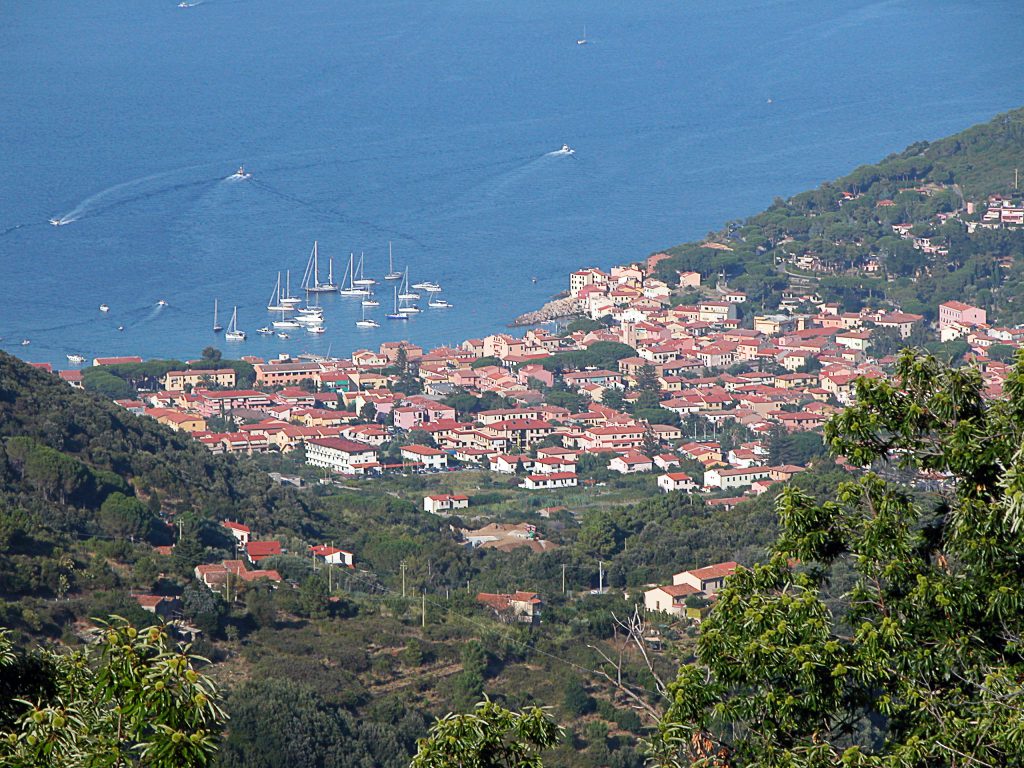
430	458
676	481
734	478
444	503
339	455
553	480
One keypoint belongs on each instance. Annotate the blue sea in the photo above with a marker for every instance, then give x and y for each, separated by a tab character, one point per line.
431	126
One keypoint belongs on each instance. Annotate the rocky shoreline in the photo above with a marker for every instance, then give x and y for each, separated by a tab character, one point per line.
555	309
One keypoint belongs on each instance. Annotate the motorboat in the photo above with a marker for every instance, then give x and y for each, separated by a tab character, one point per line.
57	222
410	310
427	286
104	308
25	342
439	304
310	311
284	323
264	331
161	303
371	302
367	323
583	40
120	327
241	172
566	150
283	335
75	358
308	320
316	329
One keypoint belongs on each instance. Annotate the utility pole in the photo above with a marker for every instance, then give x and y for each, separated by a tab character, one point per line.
403	578
563	578
600	577
423	614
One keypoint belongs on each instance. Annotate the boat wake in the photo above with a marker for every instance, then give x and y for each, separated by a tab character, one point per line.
129	192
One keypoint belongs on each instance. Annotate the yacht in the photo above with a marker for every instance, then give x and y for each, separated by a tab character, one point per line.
397	314
316	329
363	280
311	281
161	303
368	323
403	291
75	358
265	331
392	274
309	312
104	308
286	323
274	304
435	303
241	172
566	150
370	302
411	309
352	289
287	298
233	334
427	286
309	320
217	327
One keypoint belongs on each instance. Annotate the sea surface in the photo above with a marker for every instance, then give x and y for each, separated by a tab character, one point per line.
431	126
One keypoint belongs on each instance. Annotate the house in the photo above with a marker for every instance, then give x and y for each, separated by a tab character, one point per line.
444	503
261	550
161	605
242	533
431	458
522	607
553	480
734	478
676	481
347	457
666	460
669	599
177	381
953	313
708	579
631	463
332	555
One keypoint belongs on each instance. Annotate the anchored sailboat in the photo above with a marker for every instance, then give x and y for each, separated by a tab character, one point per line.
233	334
363	280
275	304
365	322
350	274
404	292
288	298
311	283
392	274
396	314
217	327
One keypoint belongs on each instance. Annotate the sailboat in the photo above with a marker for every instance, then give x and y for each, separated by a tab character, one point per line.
233	334
583	40
288	298
286	322
370	302
362	279
396	314
436	302
350	274
404	292
364	322
311	283
392	274
217	327
275	304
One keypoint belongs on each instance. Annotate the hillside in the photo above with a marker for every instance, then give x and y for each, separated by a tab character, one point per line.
839	241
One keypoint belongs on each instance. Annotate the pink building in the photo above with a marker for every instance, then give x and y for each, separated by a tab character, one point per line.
957	313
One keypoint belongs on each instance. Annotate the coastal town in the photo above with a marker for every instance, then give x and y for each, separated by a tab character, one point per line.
697	396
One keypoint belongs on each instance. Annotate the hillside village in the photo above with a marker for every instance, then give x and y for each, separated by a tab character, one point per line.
648	380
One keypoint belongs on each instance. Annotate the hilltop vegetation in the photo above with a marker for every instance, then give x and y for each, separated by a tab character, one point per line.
844	231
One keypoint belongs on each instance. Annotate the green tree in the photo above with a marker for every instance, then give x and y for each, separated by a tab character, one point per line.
490	737
203	607
212	354
133	698
919	662
125	517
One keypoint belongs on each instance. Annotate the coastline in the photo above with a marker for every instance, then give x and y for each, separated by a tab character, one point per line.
556	309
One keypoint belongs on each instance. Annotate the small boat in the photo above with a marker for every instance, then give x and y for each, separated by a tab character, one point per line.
392	274
120	327
316	329
308	320
241	172
311	280
364	322
397	314
161	303
104	308
583	40
25	342
427	286
274	303
352	289
566	150
410	310
287	298
404	292
57	222
233	334
439	304
363	280
184	4
370	302
307	312
265	331
283	335
75	358
284	323
217	327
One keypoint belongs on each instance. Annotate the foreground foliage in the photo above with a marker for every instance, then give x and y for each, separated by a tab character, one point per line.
133	698
921	662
